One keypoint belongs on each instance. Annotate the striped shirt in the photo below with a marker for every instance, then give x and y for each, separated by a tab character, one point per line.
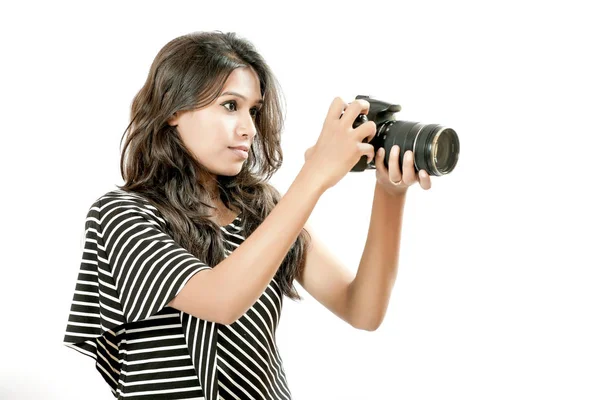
130	270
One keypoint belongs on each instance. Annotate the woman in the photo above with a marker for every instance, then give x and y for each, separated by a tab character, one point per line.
185	265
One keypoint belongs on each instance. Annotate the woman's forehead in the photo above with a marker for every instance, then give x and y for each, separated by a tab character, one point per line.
244	83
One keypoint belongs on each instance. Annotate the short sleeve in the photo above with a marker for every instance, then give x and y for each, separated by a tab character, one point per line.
85	322
148	268
130	269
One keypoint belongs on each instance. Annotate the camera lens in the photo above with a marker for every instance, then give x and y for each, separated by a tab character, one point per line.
444	150
435	147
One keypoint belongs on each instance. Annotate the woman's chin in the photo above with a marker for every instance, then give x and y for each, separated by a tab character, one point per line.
233	170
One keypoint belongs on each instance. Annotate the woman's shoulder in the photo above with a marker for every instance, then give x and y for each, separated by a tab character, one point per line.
118	201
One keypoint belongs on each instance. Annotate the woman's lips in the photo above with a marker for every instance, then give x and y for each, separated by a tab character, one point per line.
241	153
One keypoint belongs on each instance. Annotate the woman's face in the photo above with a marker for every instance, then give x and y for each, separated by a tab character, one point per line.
210	132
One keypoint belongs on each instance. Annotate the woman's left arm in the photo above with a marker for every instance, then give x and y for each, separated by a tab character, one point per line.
362	299
369	293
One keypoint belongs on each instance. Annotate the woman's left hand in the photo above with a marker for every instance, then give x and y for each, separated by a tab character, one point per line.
393	181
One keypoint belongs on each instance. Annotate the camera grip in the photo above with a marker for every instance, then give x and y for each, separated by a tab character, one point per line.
361	165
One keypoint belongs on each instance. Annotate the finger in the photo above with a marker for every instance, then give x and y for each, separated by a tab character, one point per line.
367	150
366	130
424	179
379	157
408	169
351	112
394	164
336	108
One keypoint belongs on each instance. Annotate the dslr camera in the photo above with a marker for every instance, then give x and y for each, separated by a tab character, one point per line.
435	147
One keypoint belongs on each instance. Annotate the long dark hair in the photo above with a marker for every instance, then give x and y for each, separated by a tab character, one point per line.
189	73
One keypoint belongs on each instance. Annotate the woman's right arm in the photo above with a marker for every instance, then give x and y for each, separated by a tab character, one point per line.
224	293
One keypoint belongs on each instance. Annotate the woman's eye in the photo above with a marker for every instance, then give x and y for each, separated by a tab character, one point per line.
230	103
232	106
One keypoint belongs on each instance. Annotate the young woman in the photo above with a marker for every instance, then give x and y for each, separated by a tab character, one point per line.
185	266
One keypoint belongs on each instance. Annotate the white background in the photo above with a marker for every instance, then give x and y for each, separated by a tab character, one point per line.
497	295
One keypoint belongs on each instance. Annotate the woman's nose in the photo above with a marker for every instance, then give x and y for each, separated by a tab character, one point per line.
247	127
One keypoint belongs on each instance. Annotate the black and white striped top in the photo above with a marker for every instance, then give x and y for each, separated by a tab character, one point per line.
130	270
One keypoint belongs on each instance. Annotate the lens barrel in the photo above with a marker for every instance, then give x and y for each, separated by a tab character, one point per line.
435	147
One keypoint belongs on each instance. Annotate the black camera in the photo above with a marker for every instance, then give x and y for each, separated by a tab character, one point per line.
435	147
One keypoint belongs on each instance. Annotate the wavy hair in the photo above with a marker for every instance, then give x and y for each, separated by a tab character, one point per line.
189	73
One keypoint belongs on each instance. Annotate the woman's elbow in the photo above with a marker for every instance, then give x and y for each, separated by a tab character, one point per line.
369	325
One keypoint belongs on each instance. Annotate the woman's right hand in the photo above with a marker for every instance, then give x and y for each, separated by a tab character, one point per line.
339	146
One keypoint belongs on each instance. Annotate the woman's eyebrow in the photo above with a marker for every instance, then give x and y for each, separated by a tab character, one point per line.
260	101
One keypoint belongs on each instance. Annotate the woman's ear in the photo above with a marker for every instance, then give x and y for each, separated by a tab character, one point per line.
174	119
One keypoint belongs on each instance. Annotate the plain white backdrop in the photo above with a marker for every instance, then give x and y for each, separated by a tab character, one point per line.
497	292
